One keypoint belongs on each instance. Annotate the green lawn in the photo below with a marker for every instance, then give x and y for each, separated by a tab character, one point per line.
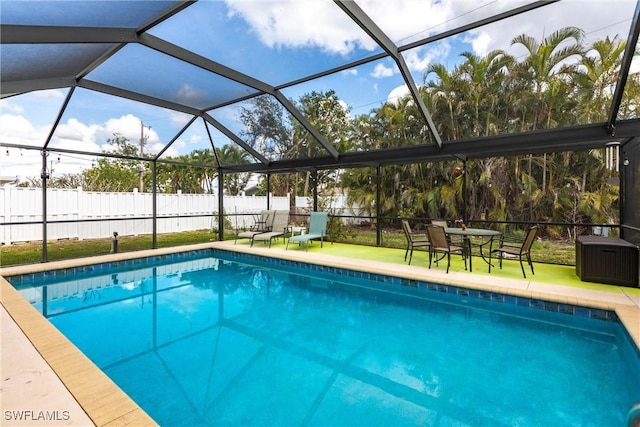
28	253
544	272
551	252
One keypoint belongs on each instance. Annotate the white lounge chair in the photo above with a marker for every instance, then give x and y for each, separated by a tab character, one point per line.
262	225
278	228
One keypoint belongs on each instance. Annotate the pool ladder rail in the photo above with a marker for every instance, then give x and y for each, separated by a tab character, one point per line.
633	419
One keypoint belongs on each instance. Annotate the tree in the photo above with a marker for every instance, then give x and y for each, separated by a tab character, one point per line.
597	78
267	126
114	173
484	76
545	63
233	155
446	90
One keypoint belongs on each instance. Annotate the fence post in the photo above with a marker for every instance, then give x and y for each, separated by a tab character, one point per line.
6	215
79	213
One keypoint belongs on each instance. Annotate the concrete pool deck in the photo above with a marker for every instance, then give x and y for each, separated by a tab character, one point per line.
47	381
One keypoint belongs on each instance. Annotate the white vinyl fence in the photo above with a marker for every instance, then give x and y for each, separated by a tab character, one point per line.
118	210
336	205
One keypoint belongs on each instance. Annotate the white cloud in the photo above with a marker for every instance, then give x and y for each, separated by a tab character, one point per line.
397	94
302	23
15	129
71	135
51	93
344	106
188	94
72	130
130	127
350	72
20	163
597	18
408	20
419	59
305	23
480	42
179	120
382	70
311	23
7	106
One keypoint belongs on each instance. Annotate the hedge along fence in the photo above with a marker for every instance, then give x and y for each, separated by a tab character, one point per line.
78	214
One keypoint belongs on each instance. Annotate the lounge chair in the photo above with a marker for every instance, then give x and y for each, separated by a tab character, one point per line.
317	230
440	243
278	228
262	225
523	250
414	240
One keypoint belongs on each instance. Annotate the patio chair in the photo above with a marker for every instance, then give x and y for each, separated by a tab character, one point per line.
261	225
440	243
278	228
414	240
439	222
524	250
457	240
317	230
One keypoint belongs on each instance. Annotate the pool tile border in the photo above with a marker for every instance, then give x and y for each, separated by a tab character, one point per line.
540	304
563	308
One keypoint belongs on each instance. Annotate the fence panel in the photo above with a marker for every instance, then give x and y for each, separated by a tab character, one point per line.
336	205
129	213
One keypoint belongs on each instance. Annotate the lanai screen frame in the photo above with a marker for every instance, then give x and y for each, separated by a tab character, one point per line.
573	138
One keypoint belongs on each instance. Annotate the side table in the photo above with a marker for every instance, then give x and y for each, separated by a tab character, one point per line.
293	229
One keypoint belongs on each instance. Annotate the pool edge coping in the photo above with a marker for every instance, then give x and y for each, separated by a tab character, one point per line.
112	406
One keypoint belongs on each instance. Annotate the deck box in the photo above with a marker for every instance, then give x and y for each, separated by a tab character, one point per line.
607	260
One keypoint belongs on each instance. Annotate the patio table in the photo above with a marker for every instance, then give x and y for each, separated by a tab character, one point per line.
467	233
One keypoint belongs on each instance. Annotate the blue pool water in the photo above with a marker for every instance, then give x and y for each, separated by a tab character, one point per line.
217	341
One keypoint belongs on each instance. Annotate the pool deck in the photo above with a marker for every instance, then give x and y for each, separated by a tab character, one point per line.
47	381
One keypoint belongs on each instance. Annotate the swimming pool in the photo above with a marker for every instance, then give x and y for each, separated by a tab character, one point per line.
196	340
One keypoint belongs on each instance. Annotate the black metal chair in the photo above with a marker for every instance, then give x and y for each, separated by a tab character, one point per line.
414	240
524	250
440	243
456	240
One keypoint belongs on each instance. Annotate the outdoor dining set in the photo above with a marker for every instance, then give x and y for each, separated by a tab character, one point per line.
441	240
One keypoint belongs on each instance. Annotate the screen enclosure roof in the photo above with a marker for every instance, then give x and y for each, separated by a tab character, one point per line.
179	78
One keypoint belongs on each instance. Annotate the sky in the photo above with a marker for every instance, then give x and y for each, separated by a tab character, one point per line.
287	41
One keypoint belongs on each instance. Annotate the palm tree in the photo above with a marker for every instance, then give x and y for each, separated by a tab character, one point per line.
545	62
484	75
447	90
600	68
230	154
548	60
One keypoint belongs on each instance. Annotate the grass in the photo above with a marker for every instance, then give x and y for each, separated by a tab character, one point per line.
557	252
29	253
550	252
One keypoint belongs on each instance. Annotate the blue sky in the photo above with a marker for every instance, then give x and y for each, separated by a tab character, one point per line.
274	42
